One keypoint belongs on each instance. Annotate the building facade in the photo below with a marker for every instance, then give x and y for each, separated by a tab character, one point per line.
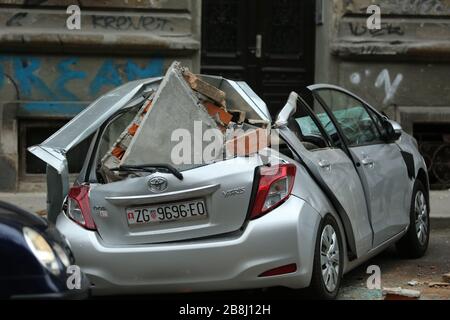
50	71
403	68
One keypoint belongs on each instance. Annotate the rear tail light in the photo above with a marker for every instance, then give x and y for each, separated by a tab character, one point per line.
78	208
274	187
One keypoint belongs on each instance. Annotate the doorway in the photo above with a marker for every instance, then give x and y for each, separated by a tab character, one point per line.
267	43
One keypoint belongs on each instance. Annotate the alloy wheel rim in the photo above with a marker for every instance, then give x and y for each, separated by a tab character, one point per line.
421	214
329	257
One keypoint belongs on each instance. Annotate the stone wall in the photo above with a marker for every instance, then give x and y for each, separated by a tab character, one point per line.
402	68
404	64
49	72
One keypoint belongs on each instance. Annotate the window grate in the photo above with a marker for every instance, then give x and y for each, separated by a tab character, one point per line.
434	144
34	132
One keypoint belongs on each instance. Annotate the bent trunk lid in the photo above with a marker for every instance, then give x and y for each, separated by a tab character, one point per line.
53	150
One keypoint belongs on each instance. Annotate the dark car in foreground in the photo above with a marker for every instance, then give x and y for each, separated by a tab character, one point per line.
35	259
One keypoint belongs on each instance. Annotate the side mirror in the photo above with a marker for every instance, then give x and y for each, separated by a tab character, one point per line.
393	130
288	110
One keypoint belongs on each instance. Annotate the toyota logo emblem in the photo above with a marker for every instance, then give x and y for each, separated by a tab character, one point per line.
157	184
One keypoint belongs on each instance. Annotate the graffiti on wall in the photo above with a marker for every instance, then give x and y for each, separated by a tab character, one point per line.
422	7
147	23
71	78
419	6
383	80
386	29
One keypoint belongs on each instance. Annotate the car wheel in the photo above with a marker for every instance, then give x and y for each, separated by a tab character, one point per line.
328	261
414	243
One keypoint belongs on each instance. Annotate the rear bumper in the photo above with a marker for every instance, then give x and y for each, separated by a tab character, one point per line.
284	236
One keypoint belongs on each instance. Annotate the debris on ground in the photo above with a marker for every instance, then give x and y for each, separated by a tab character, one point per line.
185	101
42	213
446	277
400	294
439	285
413	283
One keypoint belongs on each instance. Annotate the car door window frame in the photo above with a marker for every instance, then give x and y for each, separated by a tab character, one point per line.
316	120
334	119
341	135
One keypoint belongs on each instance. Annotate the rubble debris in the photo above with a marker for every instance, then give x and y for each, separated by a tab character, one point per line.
174	107
439	285
214	111
413	283
400	294
248	143
446	277
113	157
42	213
205	88
182	102
238	116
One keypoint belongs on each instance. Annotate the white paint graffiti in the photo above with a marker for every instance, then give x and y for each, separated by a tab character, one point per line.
355	78
390	88
383	80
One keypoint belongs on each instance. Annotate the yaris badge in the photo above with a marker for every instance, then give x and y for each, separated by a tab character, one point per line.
157	184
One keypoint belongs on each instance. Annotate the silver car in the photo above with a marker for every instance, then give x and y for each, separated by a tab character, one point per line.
341	184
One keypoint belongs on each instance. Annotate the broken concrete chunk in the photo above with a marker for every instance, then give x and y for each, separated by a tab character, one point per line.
223	116
247	143
258	122
439	284
176	111
446	277
180	112
400	294
205	88
413	283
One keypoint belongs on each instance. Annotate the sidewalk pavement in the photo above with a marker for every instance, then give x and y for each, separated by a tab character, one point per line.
440	208
36	202
31	201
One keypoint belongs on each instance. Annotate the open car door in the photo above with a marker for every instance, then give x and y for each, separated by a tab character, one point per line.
379	162
313	136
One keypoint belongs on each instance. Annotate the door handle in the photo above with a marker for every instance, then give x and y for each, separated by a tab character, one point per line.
258	48
324	164
368	162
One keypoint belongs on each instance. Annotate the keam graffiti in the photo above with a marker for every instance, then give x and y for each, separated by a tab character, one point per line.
72	78
383	81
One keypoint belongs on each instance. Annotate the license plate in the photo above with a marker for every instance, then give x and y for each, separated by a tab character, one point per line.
168	212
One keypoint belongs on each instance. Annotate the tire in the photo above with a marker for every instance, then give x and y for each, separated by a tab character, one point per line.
319	288
413	245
